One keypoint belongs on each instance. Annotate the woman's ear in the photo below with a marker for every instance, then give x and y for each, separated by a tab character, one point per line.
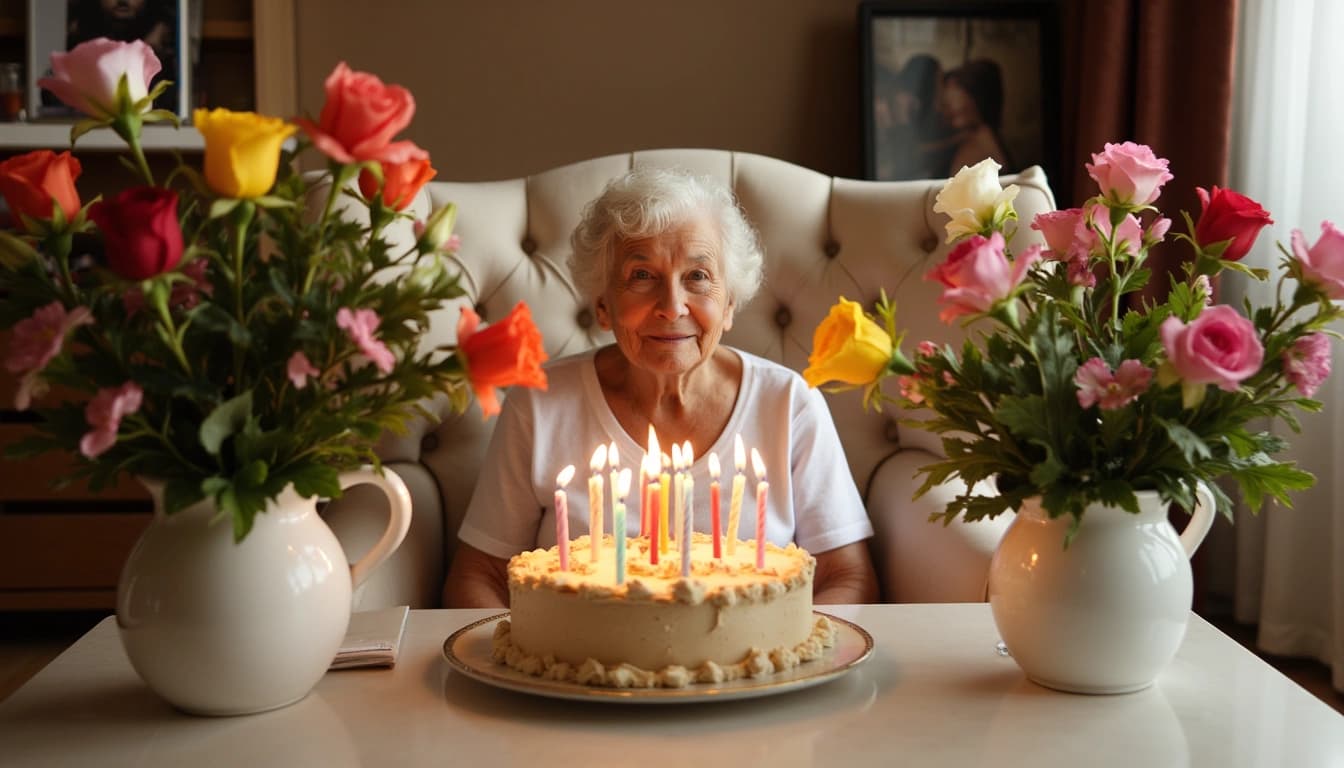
603	316
728	314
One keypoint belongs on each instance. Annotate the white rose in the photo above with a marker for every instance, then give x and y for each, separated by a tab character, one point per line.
974	200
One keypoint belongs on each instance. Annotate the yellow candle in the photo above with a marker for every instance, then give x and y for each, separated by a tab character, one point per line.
595	501
735	501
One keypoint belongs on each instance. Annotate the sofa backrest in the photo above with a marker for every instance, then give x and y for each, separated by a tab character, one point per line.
823	237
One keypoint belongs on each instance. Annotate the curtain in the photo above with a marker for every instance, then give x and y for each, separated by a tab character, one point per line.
1288	572
1139	70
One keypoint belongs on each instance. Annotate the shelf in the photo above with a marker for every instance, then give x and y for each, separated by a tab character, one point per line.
14	136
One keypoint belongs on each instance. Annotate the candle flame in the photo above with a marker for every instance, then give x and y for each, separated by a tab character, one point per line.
613	457
599	458
653	442
565	476
739	453
714	466
687	454
623	483
667	461
676	457
757	464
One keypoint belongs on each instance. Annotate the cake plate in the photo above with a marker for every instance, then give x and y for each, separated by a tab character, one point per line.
468	651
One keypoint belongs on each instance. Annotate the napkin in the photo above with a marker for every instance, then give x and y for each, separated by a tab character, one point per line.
372	639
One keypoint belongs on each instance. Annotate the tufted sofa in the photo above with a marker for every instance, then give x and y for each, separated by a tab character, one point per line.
824	237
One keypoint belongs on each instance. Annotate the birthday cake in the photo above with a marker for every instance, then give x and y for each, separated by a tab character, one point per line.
727	620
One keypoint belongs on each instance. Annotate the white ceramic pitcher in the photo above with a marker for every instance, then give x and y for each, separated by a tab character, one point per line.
1107	613
219	628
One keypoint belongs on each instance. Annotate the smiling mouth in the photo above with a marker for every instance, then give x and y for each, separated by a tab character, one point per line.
669	338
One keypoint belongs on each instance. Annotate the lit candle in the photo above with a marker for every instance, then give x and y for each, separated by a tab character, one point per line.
735	500
622	485
761	487
688	514
655	519
595	501
678	494
664	503
645	475
562	514
613	461
714	524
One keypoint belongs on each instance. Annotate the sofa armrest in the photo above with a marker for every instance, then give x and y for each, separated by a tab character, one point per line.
919	561
413	574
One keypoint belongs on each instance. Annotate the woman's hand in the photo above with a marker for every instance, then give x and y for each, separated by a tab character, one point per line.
476	580
845	575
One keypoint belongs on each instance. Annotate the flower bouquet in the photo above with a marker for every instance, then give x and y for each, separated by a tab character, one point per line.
221	329
1075	389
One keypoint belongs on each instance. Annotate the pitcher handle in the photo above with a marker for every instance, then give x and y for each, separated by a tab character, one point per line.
1201	519
398	522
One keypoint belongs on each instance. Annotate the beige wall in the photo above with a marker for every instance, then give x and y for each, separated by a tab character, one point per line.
510	87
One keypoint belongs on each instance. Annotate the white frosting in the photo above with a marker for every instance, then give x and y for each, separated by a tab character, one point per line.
726	621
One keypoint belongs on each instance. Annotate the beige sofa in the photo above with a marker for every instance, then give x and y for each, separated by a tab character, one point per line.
824	237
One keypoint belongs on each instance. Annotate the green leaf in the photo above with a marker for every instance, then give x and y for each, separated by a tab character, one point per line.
271	201
1192	447
180	493
225	421
312	479
223	207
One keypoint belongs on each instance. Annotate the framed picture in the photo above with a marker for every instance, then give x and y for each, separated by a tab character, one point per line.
947	84
59	25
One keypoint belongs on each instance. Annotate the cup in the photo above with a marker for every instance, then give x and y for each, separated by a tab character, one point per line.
11	92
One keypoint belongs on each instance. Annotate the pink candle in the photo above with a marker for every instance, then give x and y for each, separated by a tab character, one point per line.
562	514
761	488
714	524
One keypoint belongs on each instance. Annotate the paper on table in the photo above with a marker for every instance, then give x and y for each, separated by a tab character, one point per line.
373	638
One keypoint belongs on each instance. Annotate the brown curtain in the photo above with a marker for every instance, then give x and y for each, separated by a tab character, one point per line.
1157	72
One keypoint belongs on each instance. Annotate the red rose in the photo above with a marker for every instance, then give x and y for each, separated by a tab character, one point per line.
141	233
30	182
360	117
502	354
401	181
1231	216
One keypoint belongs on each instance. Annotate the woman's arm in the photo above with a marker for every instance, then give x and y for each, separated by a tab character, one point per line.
845	575
476	580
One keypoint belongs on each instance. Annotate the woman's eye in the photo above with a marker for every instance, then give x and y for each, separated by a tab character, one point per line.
640	274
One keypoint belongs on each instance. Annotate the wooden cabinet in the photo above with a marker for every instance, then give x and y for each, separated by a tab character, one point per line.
62	549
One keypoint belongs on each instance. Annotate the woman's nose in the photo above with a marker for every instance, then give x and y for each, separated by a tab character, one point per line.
671	300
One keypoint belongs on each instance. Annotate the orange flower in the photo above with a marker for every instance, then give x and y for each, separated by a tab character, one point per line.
31	182
500	355
401	181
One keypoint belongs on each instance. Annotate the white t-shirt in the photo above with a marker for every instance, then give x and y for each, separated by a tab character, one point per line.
814	503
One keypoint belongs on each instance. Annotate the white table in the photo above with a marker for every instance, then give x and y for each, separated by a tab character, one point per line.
933	693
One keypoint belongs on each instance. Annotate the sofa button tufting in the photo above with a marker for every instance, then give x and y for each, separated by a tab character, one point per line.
529	246
930	244
480	310
783	317
832	249
891	430
429	443
584	318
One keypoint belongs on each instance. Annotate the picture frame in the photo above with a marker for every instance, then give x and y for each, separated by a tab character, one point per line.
946	84
59	25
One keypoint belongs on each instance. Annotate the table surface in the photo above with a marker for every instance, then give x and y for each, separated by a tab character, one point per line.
934	692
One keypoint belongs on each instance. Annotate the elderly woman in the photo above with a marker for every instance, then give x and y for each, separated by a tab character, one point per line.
665	259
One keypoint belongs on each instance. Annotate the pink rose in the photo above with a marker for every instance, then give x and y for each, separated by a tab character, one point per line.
104	413
360	117
1129	173
1229	215
1059	229
1323	263
1307	363
1097	384
977	274
1218	347
86	77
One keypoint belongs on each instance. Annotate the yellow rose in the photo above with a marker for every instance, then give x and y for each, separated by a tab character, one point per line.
848	346
242	150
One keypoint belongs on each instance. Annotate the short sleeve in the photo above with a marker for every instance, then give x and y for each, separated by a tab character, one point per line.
504	513
828	510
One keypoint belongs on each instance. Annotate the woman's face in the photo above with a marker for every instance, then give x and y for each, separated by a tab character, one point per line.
666	300
957	106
